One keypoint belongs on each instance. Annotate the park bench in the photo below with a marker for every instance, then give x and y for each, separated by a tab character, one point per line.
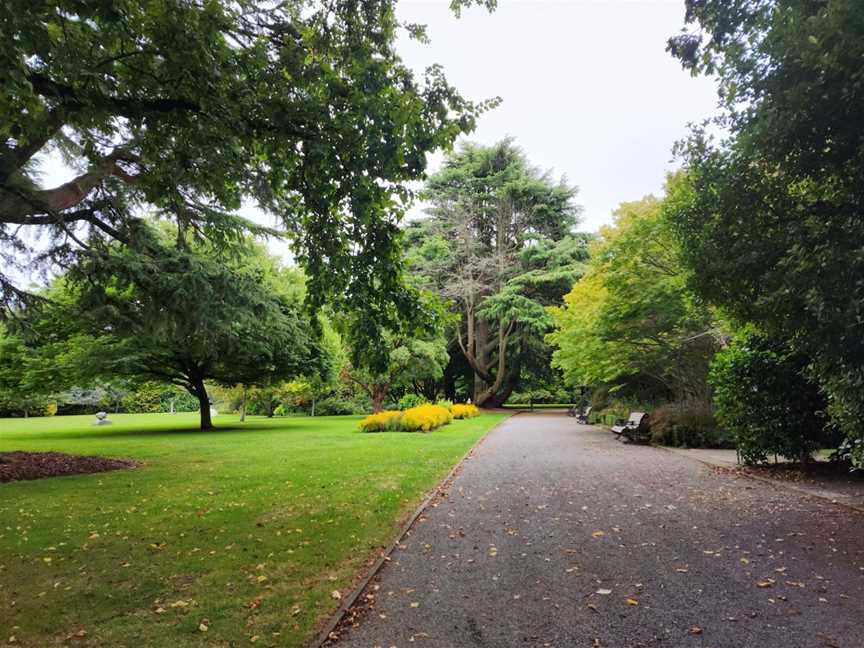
583	417
634	429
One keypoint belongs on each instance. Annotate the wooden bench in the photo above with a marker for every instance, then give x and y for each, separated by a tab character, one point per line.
634	429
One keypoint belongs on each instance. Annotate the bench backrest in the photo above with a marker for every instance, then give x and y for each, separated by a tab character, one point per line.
636	418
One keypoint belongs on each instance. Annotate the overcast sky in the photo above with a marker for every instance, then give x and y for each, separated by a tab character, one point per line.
587	86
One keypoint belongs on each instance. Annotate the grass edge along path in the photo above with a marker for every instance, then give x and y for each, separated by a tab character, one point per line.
234	537
330	630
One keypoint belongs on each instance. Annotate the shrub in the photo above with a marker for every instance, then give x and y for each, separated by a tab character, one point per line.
411	400
416	419
461	411
337	406
144	399
445	403
388	420
763	396
425	418
688	425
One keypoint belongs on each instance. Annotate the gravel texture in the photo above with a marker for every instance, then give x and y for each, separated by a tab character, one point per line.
555	534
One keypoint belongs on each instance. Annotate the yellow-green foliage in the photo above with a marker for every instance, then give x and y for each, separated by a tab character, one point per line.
381	422
461	411
416	419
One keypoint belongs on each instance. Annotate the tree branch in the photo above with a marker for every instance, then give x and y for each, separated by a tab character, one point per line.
73	99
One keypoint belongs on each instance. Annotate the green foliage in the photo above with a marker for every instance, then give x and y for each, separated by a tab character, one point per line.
631	318
770	217
689	424
764	397
176	316
498	247
145	399
305	109
19	396
412	358
411	400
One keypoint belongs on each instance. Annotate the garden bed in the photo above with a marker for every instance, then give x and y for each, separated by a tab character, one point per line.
19	466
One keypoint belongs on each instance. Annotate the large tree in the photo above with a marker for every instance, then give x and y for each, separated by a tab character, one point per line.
188	108
498	245
771	217
177	316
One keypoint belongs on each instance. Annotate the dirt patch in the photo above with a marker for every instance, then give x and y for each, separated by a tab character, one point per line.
16	466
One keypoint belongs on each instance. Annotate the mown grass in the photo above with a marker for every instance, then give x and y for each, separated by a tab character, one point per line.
245	531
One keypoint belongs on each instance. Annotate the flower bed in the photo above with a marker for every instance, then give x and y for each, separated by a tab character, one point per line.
422	418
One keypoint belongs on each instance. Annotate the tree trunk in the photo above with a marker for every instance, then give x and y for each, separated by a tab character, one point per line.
313	407
481	353
496	396
378	396
243	405
200	392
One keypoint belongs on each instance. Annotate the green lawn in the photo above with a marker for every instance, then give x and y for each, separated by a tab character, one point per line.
247	530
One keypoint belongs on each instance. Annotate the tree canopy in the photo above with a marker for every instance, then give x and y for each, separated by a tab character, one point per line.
187	109
770	216
631	316
176	316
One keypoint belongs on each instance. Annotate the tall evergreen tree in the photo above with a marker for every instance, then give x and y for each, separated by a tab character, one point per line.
498	245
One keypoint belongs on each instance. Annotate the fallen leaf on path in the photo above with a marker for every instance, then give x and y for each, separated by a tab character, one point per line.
632	601
598	534
336	594
603	592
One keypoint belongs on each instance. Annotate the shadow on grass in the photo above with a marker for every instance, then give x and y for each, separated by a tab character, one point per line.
105	432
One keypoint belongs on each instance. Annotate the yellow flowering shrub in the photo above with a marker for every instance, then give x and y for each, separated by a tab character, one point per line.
460	411
425	418
422	418
381	422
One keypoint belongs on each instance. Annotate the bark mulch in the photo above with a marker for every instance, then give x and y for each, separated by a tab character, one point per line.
15	466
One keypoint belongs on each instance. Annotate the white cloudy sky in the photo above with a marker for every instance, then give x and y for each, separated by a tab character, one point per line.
587	86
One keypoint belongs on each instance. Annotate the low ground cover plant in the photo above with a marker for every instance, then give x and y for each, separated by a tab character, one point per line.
463	411
422	418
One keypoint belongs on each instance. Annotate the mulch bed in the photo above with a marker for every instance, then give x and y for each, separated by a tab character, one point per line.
816	471
15	466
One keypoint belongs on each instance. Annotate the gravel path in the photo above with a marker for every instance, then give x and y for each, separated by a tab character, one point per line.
555	534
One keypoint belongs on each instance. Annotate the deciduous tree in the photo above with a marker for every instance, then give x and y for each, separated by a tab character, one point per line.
190	108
